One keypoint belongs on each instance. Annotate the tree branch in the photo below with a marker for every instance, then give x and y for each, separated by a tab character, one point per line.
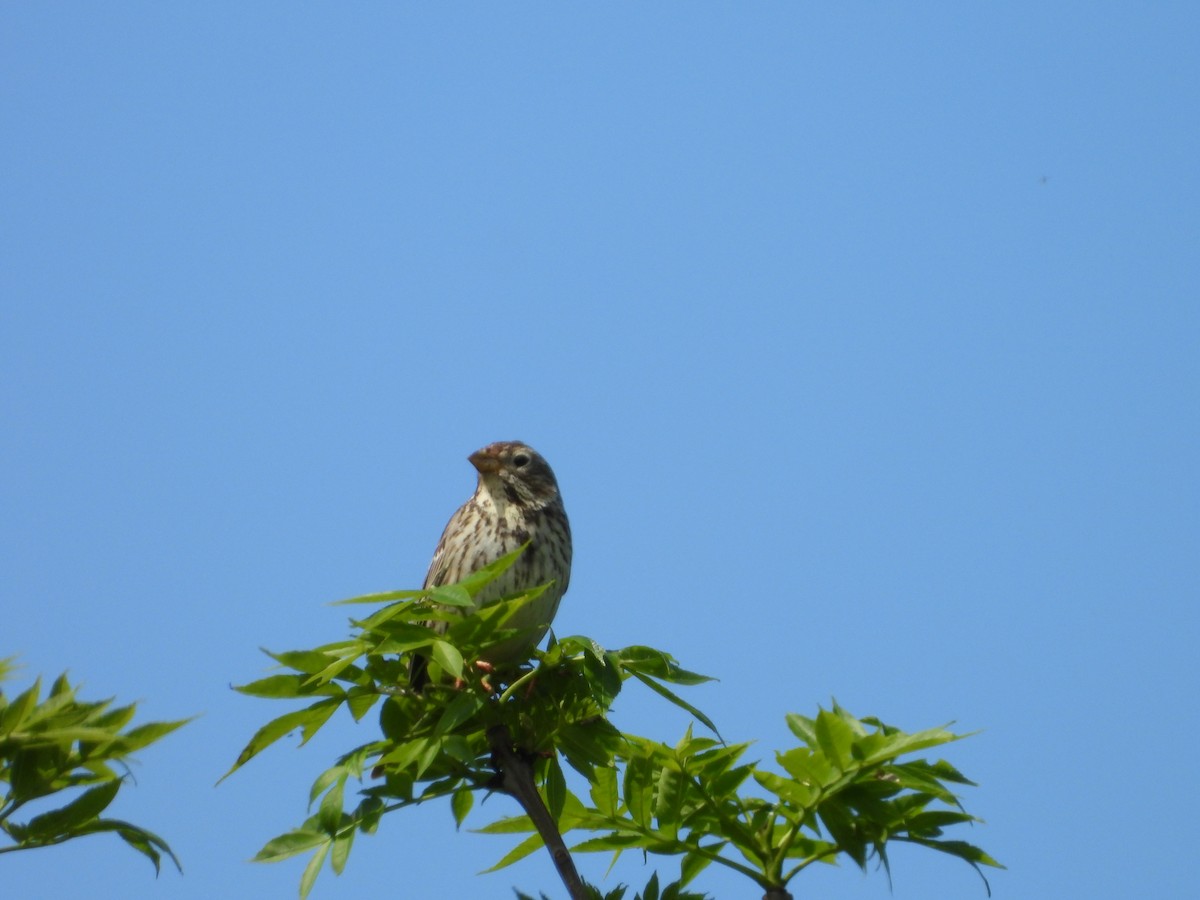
516	779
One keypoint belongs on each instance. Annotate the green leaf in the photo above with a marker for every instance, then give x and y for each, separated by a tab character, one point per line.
479	579
396	618
360	701
588	744
115	719
406	753
727	783
460	710
808	766
452	595
34	770
606	842
661	665
899	744
678	701
693	864
446	655
145	842
604	791
969	853
368	814
144	735
519	852
335	668
798	794
324	780
803	728
341	850
961	849
329	814
461	802
668	801
918	775
428	756
507	825
78	812
603	674
309	719
384	597
638	790
81	733
290	844
313	869
20	708
834	737
308	661
554	790
929	824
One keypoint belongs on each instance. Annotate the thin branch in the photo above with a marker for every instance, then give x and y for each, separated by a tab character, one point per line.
516	778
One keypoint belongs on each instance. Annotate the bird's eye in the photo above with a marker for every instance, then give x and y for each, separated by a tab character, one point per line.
521	460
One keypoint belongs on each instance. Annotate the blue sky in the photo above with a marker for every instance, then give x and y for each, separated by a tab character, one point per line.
863	339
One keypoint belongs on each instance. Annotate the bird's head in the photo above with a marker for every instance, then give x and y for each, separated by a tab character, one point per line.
516	473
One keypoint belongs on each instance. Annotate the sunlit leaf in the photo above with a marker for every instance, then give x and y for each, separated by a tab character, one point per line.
519	852
448	657
309	719
384	597
144	735
604	792
460	805
329	814
555	788
145	842
280	687
19	708
834	737
460	710
314	868
341	850
82	809
678	701
288	845
661	665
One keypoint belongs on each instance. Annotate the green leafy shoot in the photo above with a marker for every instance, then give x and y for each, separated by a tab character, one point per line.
652	891
845	790
434	744
60	744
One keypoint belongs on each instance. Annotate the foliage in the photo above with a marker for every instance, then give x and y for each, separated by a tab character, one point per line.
652	891
842	791
62	743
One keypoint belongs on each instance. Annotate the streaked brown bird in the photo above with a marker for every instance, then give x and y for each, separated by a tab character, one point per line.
516	500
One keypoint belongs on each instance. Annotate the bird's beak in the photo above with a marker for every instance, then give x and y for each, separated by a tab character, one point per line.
484	461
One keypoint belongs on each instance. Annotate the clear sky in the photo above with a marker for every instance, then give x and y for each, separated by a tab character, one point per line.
862	337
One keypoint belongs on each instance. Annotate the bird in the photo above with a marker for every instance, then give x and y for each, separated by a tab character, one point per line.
516	500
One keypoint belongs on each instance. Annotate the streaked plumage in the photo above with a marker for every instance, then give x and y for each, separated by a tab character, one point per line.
516	500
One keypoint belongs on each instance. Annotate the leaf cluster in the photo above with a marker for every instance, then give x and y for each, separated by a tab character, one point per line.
61	743
846	788
652	891
435	743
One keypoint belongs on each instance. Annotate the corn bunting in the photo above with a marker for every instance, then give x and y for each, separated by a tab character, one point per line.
516	500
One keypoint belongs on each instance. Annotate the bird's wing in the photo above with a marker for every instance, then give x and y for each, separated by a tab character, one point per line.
440	572
443	558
